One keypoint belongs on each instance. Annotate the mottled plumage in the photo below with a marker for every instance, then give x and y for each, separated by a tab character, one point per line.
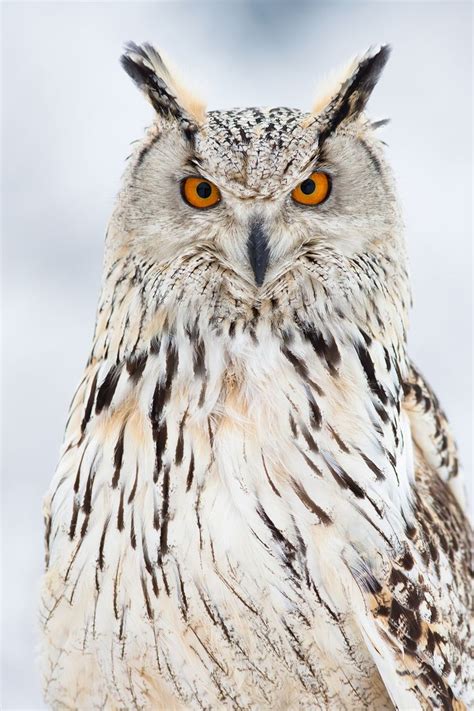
256	505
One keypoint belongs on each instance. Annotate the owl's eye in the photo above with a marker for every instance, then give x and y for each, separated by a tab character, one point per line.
314	190
199	192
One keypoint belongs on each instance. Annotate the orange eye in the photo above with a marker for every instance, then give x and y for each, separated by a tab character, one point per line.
199	192
314	190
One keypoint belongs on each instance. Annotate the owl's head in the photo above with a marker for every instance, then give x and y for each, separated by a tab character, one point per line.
259	198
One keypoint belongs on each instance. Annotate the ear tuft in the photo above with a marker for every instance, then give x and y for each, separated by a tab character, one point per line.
170	100
350	97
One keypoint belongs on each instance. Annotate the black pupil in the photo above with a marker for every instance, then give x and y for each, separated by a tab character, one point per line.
204	190
308	186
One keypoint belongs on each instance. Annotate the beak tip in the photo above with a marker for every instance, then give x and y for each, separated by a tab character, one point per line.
258	252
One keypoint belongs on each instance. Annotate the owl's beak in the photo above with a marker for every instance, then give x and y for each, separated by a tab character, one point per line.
257	249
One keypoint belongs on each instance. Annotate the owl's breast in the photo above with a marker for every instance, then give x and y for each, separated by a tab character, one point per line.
205	517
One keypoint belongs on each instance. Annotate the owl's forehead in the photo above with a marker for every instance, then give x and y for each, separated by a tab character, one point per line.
257	152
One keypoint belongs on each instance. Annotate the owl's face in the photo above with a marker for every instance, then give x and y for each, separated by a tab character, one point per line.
255	191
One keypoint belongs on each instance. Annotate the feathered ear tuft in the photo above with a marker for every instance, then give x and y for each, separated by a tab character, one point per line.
349	97
168	97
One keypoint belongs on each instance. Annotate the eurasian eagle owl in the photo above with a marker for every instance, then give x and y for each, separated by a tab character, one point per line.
256	505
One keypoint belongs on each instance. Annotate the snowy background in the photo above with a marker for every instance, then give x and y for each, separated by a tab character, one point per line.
69	114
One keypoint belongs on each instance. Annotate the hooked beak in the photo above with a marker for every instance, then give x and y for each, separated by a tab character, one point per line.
257	249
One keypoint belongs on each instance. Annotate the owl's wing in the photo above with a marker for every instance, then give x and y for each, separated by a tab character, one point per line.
417	621
418	617
430	429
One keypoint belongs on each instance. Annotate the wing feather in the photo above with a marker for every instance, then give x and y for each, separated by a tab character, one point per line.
419	621
431	431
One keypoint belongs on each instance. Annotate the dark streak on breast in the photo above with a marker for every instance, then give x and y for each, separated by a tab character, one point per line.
375	527
118	457
189	479
343	479
294	431
165	491
310	504
202	394
311	464
120	511
369	369
149	566
158	401
172	361
373	467
155	345
85	525
324	348
133	537
178	457
90	403
86	503
315	413
136	365
199	358
75	513
287	548
184	599
100	559
116	578
343	447
146	597
160	438
134	488
107	389
275	490
309	438
156	513
296	362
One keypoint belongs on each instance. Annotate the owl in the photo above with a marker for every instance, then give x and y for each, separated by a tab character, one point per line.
257	504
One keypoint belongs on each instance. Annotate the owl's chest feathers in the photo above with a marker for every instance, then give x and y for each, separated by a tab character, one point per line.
248	433
221	495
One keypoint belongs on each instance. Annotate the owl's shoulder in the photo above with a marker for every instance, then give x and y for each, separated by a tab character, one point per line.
419	629
431	431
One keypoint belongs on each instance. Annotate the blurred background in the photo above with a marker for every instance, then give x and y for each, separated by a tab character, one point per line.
69	115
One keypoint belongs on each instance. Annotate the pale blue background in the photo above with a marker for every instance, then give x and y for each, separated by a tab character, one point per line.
69	114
